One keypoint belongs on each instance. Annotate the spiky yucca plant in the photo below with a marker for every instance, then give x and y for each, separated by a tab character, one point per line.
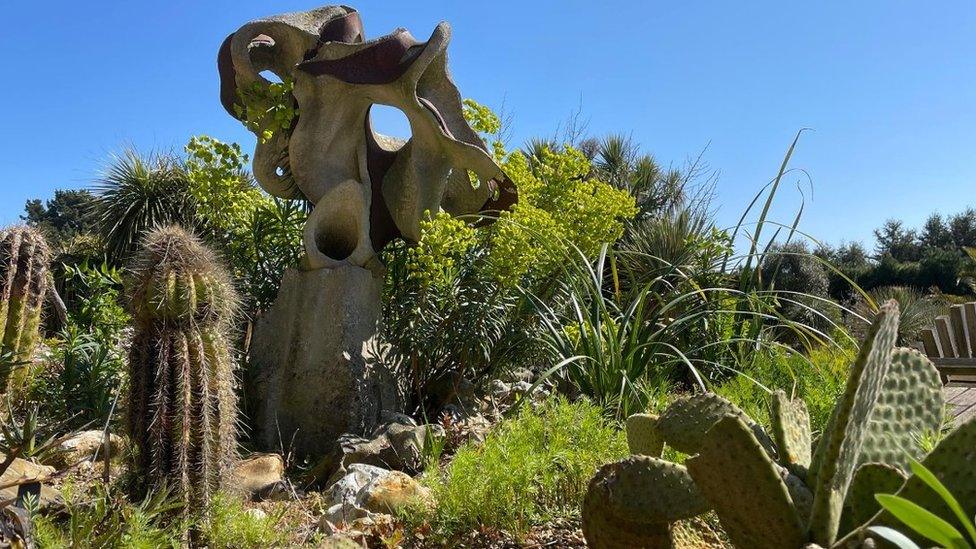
182	406
918	310
24	280
138	193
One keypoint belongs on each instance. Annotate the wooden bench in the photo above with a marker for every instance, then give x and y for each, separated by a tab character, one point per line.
951	343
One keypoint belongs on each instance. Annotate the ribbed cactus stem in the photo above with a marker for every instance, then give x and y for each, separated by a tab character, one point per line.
24	276
182	405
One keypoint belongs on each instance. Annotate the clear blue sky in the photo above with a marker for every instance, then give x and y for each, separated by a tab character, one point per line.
888	86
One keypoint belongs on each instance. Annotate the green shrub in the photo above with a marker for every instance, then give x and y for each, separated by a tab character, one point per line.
530	469
818	379
92	370
85	368
100	520
228	525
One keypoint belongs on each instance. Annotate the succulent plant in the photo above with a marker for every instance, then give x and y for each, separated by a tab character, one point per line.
774	492
643	438
24	280
182	406
634	502
791	431
740	480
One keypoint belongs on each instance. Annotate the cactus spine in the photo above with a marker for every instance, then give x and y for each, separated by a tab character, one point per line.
182	406
24	258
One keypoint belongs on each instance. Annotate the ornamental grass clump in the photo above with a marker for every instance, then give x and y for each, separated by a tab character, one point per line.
24	281
182	406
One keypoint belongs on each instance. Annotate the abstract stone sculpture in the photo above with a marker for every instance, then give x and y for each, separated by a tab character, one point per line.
311	379
367	188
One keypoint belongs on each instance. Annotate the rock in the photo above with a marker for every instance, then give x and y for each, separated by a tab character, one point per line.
22	469
85	445
342	496
499	388
395	446
389	416
257	474
507	394
406	445
314	378
339	542
367	490
389	493
521	374
474	428
279	491
256	514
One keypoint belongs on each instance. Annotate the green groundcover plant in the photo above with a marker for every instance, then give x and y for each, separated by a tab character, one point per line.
530	469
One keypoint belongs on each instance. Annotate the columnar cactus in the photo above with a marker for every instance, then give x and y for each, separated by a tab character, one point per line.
182	406
24	278
784	493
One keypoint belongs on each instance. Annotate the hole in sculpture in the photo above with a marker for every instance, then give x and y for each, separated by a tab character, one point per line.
389	121
270	77
337	234
336	245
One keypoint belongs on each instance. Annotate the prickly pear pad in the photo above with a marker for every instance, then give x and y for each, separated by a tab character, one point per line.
836	457
791	431
742	483
642	436
910	405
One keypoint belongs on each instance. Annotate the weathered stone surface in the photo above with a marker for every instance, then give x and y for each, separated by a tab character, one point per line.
507	394
367	188
257	474
313	380
366	490
22	469
85	445
389	493
395	446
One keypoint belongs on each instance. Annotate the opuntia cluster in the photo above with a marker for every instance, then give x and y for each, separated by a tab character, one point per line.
786	490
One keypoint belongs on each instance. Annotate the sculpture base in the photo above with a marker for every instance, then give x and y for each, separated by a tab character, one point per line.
311	380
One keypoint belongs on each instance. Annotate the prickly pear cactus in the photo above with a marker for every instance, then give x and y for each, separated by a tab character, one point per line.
909	406
633	502
870	479
840	447
685	422
791	432
642	436
953	462
182	407
24	259
799	492
744	486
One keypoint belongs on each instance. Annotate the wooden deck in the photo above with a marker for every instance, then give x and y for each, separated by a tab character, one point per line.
961	401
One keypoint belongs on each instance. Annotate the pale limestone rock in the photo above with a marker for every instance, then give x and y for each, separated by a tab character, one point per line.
256	474
23	470
366	491
86	445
